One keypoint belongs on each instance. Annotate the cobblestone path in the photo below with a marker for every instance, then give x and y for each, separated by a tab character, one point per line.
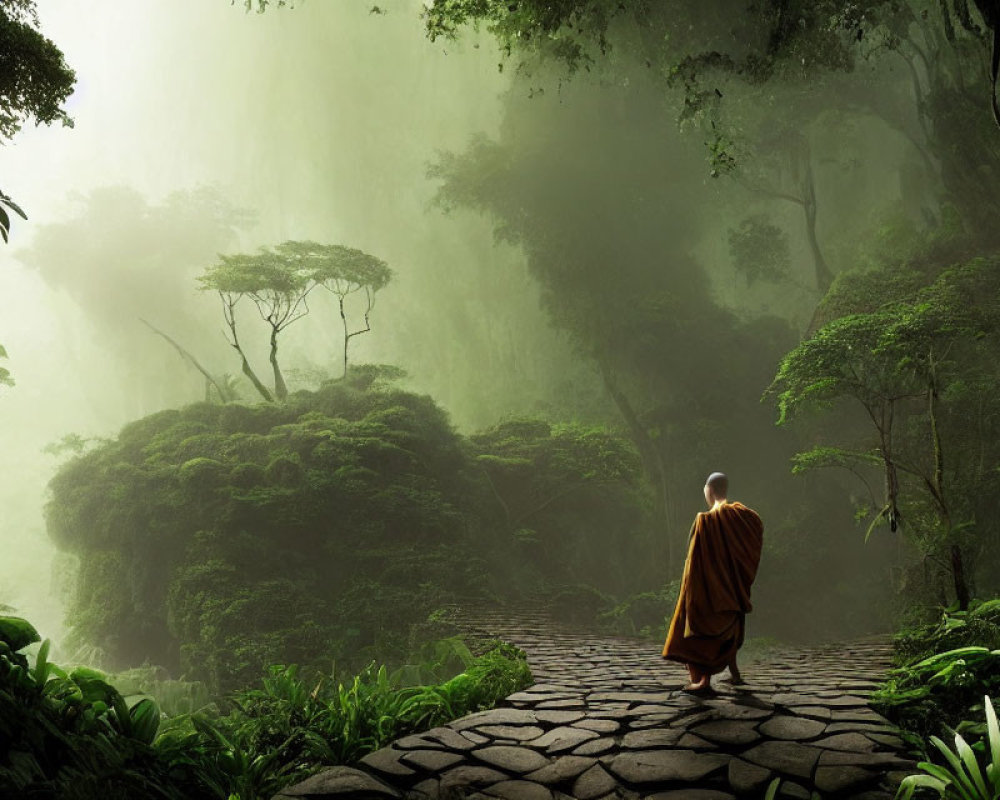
606	719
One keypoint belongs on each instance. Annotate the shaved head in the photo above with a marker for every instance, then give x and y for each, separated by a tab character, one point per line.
719	484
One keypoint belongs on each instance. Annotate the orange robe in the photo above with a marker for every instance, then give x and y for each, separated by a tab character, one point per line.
708	624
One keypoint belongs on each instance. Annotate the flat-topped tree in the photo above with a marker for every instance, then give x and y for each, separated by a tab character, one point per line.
278	288
342	271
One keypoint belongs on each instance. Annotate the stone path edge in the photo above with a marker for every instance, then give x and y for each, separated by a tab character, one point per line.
606	720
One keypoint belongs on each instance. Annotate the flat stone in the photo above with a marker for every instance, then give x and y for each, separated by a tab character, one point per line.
845	701
660	737
692	742
450	738
794	790
518	790
841	778
794	699
691	794
562	738
606	713
386	760
651	766
746	778
561	769
790	758
853	742
534	696
515	759
471	775
595	782
556	717
495	716
652	708
727	731
599	725
633	697
474	737
339	780
693	717
814	712
594	747
419	741
836	758
853	727
856	715
542	688
431	760
430	787
887	740
730	710
651	722
784	726
568	703
519	733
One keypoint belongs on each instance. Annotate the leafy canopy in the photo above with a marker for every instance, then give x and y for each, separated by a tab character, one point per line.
34	78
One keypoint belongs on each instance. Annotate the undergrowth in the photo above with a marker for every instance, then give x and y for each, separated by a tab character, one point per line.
72	735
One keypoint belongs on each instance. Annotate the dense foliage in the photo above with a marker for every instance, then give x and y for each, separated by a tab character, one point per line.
921	363
685	372
216	539
35	82
965	774
74	736
944	669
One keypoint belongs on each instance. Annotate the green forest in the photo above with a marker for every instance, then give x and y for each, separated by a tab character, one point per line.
322	319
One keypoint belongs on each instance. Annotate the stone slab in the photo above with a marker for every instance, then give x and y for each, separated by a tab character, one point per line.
653	766
339	781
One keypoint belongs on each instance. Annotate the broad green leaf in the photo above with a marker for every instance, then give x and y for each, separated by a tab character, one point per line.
17	633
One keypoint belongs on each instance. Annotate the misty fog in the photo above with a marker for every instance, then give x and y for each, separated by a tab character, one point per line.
203	129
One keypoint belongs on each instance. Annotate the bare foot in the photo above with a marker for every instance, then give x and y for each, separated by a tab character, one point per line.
704	687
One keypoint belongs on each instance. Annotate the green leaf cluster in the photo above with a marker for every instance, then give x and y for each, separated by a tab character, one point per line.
944	669
216	539
962	777
71	735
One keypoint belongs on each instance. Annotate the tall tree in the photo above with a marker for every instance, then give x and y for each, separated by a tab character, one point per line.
342	271
278	281
719	56
277	287
910	365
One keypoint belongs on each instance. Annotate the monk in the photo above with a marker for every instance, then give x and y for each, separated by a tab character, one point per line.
708	625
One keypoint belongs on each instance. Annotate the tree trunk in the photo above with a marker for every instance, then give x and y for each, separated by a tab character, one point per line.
248	371
962	594
652	461
347	335
280	390
823	275
229	312
990	10
210	380
958	578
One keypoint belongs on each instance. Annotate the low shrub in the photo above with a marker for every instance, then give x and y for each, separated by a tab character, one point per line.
74	736
943	671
